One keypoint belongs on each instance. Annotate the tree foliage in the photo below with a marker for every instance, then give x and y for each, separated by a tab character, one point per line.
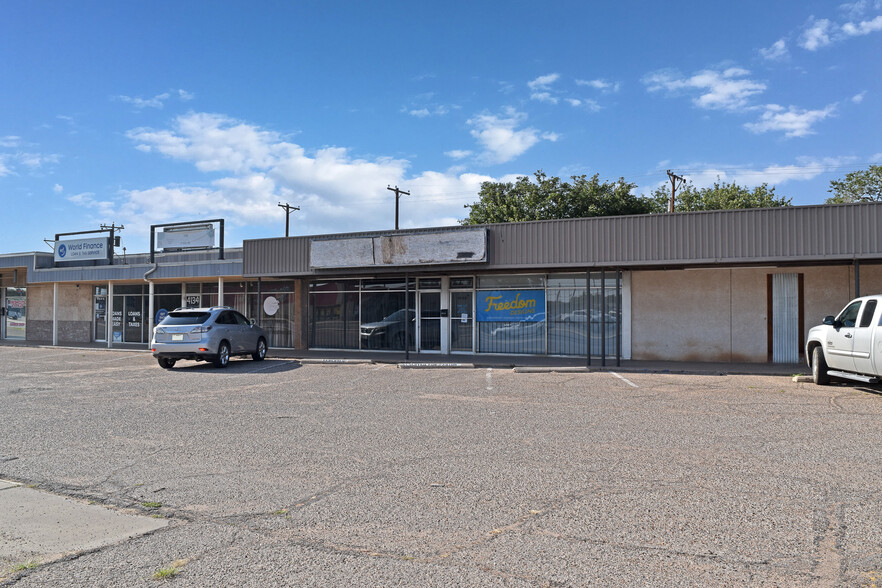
720	196
858	186
550	198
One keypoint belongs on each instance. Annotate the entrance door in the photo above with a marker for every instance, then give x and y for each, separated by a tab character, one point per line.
16	310
462	328
100	318
785	313
430	321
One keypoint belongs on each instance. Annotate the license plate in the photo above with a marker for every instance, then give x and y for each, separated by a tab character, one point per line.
178	337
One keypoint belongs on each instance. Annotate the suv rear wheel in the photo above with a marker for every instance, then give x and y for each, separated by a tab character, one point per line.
223	355
166	363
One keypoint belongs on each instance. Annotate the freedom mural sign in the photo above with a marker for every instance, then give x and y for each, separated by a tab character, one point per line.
510	306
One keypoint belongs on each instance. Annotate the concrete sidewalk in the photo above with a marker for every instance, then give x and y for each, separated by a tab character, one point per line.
521	362
37	527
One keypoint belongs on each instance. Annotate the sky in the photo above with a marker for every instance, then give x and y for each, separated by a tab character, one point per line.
141	113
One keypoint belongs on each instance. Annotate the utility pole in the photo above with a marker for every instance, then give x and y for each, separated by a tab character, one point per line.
288	210
398	194
676	183
113	228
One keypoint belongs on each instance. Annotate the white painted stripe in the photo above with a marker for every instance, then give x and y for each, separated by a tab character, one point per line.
625	380
489	378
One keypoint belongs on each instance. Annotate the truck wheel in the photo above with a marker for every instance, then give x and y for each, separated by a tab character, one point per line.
819	367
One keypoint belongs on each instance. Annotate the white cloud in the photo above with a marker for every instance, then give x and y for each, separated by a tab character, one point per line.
859	97
58	188
426	111
586	103
792	121
728	89
602	85
457	153
157	101
139	103
335	191
9	141
540	88
819	33
777	52
500	137
33	161
543	97
104	208
805	168
213	142
862	28
816	34
543	82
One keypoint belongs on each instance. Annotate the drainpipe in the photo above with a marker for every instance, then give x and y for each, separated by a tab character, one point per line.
150	301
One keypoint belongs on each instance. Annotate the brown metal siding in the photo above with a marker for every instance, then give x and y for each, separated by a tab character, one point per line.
778	235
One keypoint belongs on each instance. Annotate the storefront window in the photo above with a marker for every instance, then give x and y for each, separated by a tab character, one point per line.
511	319
385	323
333	320
274	309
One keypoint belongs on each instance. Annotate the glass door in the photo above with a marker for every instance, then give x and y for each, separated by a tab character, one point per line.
100	318
462	321
15	319
430	321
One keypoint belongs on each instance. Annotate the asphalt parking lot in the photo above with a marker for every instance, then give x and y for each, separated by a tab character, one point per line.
277	473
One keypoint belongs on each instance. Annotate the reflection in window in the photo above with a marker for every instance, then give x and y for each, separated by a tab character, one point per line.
385	324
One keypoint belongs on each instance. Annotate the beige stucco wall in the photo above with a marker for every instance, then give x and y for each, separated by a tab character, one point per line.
722	314
74	304
74	313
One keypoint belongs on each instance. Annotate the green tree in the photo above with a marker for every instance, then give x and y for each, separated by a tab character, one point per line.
720	196
858	186
546	197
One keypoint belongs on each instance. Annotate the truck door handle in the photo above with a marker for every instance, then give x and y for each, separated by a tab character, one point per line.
848	336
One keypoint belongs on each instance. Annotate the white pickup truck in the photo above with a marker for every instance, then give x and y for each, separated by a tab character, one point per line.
848	345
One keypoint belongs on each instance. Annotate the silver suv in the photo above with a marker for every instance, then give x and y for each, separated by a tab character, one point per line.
206	334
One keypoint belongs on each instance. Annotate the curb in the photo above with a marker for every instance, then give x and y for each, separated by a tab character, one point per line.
430	366
333	361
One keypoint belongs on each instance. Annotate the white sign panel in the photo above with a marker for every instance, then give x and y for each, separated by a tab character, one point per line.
443	247
81	249
186	237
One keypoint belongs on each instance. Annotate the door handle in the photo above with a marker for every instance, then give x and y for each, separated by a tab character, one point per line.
848	336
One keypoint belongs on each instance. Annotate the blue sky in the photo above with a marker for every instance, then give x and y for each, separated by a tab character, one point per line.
155	112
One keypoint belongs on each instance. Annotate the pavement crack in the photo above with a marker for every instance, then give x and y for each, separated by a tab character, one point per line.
829	560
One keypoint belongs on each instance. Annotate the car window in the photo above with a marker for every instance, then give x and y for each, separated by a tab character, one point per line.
848	317
240	319
185	318
224	318
867	315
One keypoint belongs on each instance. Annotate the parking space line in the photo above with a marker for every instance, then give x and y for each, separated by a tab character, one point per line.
625	380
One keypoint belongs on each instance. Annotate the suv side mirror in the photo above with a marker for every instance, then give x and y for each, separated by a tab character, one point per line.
252	321
829	320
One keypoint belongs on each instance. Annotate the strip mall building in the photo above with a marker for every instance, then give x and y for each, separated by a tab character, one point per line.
742	285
